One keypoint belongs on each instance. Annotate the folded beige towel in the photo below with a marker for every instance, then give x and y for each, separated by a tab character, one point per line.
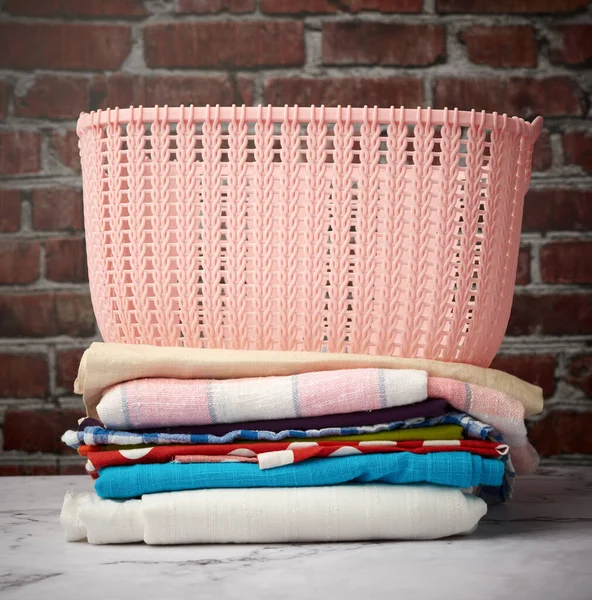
104	365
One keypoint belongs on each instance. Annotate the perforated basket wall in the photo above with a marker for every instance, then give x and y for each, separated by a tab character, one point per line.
378	231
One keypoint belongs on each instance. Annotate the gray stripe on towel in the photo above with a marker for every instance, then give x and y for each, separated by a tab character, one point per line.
382	388
210	398
295	399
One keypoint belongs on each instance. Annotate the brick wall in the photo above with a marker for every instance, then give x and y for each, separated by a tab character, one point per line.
60	57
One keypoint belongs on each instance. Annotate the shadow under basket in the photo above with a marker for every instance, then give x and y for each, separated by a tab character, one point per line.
364	230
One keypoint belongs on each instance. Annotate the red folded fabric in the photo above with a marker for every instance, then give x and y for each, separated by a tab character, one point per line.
275	454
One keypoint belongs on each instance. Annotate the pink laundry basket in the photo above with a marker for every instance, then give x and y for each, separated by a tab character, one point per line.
378	231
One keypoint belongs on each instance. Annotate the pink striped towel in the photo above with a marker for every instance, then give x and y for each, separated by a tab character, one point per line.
169	402
504	413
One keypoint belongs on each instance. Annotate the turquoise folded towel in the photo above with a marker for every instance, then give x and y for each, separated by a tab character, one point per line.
457	469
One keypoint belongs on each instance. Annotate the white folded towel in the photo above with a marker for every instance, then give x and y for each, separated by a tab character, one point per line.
273	515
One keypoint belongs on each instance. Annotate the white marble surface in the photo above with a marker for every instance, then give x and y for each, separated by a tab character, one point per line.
537	547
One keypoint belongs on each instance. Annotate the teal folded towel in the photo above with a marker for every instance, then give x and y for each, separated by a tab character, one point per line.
457	469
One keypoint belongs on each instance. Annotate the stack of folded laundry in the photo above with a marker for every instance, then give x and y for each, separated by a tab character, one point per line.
196	446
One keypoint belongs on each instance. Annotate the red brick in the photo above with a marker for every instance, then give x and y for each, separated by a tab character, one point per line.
23	376
330	7
19	262
76	8
27	470
580	373
536	369
510	6
558	210
523	270
384	6
501	46
562	432
551	314
215	6
66	450
57	209
69	469
567	262
552	97
19	152
46	314
38	430
65	145
65	260
54	97
576	46
542	156
577	147
127	90
63	45
224	44
67	363
356	91
4	90
10	211
371	43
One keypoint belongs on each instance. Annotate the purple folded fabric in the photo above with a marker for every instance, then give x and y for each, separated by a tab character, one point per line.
427	408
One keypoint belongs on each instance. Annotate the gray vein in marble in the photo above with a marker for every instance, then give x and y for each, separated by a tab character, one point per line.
16	580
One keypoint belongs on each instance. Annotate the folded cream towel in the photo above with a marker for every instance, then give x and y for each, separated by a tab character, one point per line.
274	515
104	365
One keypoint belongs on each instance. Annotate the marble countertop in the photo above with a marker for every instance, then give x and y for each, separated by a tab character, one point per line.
537	547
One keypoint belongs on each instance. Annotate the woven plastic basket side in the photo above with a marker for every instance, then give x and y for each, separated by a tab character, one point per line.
369	230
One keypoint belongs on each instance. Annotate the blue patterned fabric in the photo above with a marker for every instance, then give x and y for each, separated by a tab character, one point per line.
458	469
97	436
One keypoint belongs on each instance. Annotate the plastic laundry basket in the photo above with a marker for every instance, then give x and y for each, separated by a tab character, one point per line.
366	230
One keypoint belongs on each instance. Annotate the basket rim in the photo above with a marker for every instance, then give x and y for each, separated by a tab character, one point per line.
411	116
